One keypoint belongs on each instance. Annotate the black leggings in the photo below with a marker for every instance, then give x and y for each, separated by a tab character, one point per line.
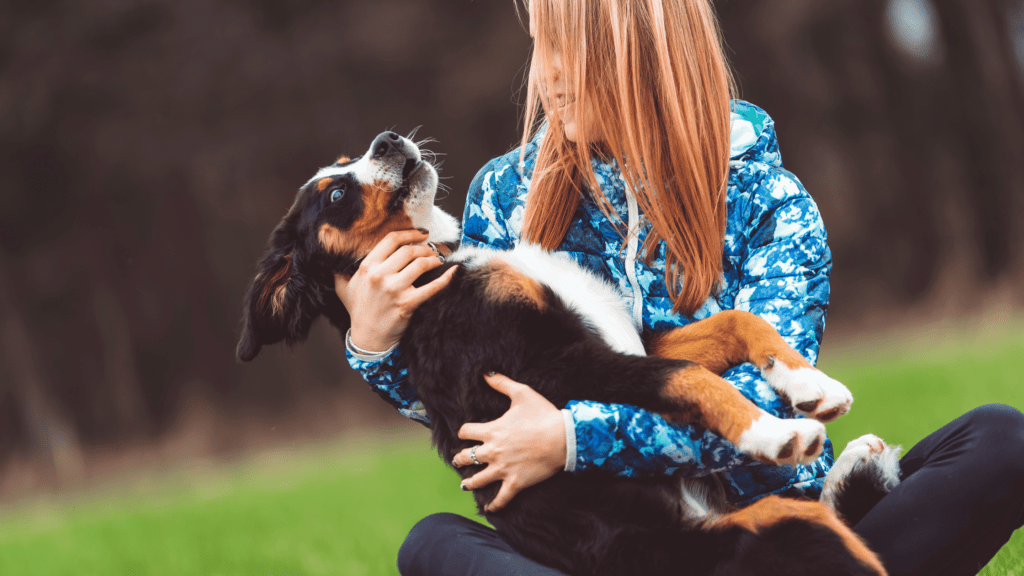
960	499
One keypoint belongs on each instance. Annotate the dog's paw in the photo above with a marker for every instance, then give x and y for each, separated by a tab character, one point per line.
867	460
810	391
864	446
789	442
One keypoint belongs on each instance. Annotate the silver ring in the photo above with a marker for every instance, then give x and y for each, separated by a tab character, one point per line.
472	455
437	252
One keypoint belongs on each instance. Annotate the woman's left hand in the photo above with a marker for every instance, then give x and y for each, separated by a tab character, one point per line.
523	447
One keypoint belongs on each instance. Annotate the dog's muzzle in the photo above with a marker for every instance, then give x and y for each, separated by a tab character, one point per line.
390	145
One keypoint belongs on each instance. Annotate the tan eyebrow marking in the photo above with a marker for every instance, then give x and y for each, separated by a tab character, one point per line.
323	183
342	159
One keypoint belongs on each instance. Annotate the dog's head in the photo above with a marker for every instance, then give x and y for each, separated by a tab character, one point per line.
338	216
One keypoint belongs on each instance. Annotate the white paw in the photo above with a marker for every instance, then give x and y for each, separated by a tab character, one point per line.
873	444
810	391
868	451
858	453
778	441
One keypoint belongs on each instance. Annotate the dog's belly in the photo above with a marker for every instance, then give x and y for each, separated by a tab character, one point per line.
597	302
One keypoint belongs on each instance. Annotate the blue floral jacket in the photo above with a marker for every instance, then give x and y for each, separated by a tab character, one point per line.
776	265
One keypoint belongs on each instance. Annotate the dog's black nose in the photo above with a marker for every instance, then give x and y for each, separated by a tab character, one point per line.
387	144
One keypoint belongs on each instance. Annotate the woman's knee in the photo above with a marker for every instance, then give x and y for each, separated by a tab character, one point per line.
425	538
1001	430
998	420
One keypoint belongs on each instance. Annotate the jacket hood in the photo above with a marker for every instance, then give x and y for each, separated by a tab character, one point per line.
753	136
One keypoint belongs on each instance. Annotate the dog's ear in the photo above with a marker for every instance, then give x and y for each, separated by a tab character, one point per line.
263	320
281	303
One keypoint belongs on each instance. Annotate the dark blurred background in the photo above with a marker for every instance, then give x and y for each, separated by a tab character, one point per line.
147	148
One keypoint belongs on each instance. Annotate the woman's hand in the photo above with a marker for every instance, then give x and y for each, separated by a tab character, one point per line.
380	297
523	447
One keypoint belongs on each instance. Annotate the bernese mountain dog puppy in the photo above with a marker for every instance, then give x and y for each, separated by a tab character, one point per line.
542	320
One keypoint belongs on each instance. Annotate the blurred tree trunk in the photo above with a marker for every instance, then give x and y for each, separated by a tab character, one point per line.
987	119
49	432
912	159
119	375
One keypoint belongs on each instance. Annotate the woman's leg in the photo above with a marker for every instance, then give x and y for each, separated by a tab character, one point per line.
451	545
960	499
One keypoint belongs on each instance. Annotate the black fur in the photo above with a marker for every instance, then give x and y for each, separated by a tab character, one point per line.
587	524
860	491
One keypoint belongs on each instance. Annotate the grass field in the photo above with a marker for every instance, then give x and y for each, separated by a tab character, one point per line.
321	510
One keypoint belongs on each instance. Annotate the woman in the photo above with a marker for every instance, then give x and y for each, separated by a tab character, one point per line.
646	172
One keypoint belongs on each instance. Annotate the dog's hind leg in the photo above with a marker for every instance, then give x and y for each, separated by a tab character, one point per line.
866	471
790	537
685	393
732	337
773	537
703	397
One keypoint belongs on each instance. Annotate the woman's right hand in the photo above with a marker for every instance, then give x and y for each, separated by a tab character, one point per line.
380	297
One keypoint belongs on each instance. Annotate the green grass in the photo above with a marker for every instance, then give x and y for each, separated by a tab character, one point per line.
315	512
344	509
904	389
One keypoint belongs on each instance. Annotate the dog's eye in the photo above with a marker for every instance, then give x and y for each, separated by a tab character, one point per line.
337	194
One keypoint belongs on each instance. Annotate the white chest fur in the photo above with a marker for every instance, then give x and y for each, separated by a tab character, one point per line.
597	302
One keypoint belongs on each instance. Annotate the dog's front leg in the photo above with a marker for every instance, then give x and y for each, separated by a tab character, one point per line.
732	337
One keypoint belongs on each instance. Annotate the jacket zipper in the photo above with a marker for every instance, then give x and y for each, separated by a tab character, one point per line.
631	250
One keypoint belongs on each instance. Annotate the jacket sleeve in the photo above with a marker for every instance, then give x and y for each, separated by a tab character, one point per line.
783	274
388	374
389	378
782	267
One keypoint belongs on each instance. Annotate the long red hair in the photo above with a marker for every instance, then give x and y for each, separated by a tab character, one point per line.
654	76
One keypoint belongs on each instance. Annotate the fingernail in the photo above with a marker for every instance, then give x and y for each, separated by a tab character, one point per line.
491	373
423	231
464	488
